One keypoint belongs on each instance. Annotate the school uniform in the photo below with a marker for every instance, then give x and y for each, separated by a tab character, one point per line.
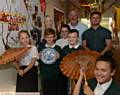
67	50
29	81
50	74
108	88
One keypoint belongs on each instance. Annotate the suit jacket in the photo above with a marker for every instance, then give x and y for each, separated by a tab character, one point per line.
114	88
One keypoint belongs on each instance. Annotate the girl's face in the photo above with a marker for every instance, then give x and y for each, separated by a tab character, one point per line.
24	39
64	32
48	22
103	71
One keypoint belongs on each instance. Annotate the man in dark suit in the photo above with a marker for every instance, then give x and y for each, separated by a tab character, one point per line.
103	83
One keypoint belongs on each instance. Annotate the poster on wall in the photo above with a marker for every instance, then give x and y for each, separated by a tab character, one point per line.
17	15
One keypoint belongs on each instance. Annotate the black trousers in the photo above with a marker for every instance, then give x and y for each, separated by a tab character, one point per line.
29	81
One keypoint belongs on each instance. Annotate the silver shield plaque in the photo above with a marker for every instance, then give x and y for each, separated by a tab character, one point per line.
49	56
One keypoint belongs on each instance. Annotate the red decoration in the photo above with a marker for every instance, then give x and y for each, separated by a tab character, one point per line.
43	5
12	18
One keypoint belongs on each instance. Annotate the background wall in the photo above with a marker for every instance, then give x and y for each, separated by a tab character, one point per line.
51	4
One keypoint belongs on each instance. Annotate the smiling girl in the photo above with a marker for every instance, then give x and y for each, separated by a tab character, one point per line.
27	77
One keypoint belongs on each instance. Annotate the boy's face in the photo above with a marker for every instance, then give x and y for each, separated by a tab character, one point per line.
73	38
50	38
103	72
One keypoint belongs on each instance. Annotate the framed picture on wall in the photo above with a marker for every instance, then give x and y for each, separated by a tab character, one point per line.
58	19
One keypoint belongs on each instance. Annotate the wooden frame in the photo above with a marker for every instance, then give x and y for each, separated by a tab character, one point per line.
58	19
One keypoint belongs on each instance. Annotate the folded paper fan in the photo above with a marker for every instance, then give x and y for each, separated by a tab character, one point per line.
70	66
13	54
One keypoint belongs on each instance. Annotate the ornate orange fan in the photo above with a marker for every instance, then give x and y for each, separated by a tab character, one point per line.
13	54
71	63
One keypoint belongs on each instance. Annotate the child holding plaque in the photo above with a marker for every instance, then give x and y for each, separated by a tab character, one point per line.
50	74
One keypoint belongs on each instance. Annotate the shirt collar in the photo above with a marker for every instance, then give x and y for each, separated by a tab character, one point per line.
76	46
73	26
106	85
96	29
46	45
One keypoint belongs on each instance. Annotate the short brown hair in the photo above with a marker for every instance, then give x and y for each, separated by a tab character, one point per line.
97	13
49	31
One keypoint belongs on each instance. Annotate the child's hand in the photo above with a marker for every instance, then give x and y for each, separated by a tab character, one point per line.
87	90
58	55
21	72
39	55
82	71
83	67
16	61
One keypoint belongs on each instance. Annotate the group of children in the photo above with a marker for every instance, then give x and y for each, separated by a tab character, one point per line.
53	82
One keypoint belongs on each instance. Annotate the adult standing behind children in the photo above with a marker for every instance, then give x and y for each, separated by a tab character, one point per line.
48	22
50	74
75	24
27	77
97	38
